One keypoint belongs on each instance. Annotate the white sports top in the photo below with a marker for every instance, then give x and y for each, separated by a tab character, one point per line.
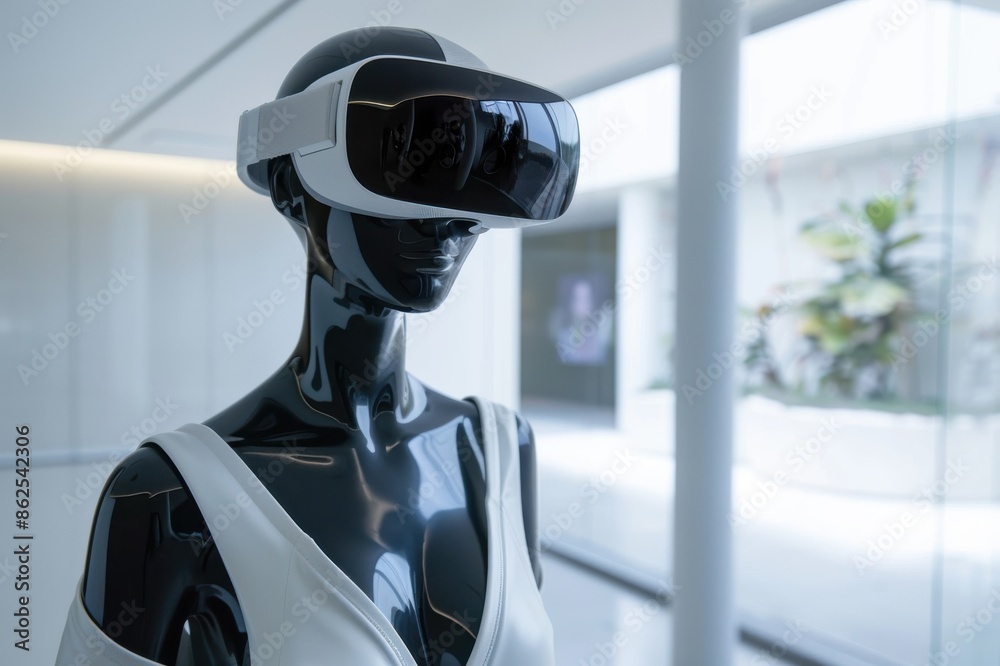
274	587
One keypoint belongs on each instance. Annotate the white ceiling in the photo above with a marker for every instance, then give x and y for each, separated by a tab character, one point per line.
66	79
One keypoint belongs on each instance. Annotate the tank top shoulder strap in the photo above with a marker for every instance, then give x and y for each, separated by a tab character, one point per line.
278	571
299	607
517	630
255	551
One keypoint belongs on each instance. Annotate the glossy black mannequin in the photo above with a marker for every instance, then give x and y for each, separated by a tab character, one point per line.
343	396
345	400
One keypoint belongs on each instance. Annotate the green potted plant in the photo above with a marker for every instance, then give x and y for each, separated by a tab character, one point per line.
852	324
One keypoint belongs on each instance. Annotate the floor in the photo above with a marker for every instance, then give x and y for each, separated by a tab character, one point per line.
587	612
796	561
864	574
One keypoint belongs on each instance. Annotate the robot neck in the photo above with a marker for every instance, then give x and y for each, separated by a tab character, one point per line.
350	359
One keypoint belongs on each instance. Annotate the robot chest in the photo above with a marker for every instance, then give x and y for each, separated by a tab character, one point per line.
411	537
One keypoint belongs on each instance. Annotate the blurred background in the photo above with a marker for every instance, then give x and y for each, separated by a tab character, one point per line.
139	282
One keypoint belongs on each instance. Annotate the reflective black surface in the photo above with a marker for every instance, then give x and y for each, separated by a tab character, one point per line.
401	513
459	138
152	567
345	49
385	474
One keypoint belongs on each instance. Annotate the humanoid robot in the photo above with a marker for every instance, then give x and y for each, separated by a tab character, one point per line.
343	512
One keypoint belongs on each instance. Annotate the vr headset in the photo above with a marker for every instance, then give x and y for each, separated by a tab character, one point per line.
411	138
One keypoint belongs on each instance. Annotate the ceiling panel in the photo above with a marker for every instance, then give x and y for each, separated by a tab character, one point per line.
68	76
517	38
83	68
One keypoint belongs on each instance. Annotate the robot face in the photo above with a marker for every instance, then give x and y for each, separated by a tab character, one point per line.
406	265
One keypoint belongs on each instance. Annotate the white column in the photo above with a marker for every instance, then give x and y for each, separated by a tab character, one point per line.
704	627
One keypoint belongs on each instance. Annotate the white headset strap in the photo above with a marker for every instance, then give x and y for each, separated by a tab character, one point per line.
302	123
306	122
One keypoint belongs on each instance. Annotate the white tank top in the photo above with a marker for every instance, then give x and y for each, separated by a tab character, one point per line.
300	608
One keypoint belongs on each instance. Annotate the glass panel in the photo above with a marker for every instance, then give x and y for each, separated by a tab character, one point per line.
865	254
864	477
597	313
965	488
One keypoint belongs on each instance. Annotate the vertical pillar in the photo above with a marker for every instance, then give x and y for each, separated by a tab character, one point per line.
709	39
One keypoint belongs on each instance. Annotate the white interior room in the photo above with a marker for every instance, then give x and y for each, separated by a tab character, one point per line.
776	424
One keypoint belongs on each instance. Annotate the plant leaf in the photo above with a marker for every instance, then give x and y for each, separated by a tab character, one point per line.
834	243
882	213
905	240
865	296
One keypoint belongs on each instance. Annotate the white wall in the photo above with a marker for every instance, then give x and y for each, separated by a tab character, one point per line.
161	340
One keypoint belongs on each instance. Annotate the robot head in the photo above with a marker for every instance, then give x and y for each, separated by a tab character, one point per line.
407	146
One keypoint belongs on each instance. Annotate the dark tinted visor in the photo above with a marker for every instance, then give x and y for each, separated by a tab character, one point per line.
447	136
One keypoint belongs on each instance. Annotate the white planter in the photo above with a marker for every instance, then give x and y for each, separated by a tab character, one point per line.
840	450
867	452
